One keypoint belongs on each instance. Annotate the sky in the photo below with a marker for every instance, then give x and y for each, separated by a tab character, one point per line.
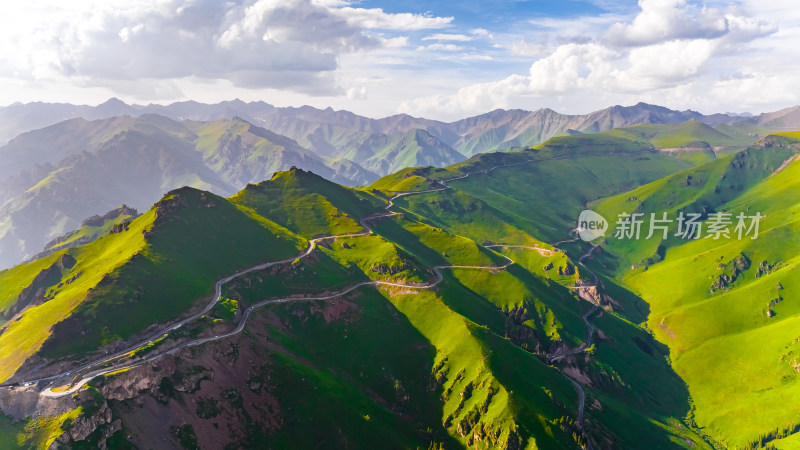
442	60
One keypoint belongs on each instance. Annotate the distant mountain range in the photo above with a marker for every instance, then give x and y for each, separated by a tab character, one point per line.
327	132
68	162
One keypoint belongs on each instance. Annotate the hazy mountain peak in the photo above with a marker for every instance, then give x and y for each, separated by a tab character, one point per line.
112	107
113	101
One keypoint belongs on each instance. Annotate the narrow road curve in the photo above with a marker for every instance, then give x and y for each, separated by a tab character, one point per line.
312	243
581	401
541	250
585	255
585	345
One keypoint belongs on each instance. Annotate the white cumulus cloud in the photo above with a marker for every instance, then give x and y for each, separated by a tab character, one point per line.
282	44
377	18
662	20
671	49
441	47
448	37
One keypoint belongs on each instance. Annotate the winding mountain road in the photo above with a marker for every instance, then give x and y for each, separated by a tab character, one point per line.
79	378
106	360
541	250
583	347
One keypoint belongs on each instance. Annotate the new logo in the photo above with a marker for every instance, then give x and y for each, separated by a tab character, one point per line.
591	225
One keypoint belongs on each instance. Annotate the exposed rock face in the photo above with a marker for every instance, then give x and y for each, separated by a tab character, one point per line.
385	269
731	272
119	227
94	221
772	141
224	385
592	295
170	205
67	261
520	334
82	427
21	402
25	402
568	270
765	268
137	381
189	380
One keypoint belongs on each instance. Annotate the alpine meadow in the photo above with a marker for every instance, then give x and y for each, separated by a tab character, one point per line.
491	225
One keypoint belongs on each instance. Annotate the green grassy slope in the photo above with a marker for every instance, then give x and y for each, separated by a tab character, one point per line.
163	264
92	228
14	281
493	205
308	204
480	389
542	190
195	239
686	134
8	432
643	382
660	397
98	228
466	215
731	341
24	336
409	179
545	197
484	389
701	189
749	353
368	385
192	239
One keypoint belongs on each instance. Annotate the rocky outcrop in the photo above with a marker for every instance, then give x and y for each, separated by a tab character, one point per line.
189	380
119	227
168	207
136	381
731	272
568	270
765	268
385	269
592	295
83	427
773	141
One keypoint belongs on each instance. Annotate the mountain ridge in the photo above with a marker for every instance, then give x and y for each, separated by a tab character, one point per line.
20	117
340	145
